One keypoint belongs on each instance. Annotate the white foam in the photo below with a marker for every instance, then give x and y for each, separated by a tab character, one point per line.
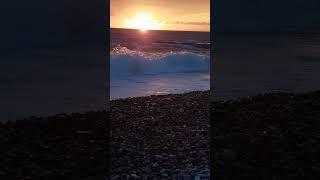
125	62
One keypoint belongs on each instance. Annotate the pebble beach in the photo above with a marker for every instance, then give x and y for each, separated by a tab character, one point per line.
271	136
161	137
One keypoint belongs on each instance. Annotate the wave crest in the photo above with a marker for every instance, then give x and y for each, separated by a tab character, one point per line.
126	62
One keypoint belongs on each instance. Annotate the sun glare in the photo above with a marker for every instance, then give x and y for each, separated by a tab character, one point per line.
142	22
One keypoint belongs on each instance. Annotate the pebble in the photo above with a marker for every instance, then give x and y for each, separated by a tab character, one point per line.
164	174
135	176
116	177
155	165
158	156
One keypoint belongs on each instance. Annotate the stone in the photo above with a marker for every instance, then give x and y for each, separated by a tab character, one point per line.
162	171
116	177
181	110
164	174
135	176
155	165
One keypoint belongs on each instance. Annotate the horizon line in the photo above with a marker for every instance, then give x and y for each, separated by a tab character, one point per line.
160	30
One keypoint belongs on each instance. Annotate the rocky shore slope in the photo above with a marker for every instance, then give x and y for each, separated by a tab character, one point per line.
272	136
64	146
161	137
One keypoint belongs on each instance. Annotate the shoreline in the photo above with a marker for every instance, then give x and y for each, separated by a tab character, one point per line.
157	95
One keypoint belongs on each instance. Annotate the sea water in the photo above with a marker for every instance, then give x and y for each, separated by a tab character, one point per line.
146	63
247	64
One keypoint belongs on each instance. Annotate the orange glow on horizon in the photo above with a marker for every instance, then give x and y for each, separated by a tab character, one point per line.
143	22
191	15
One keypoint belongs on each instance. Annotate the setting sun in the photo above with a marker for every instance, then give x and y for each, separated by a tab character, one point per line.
142	22
176	15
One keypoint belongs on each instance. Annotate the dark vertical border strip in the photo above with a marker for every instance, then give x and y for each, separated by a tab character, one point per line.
212	45
106	31
107	48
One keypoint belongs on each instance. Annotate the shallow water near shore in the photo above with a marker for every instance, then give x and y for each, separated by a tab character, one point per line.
159	84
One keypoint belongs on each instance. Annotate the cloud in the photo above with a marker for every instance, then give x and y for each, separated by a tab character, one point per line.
190	23
200	19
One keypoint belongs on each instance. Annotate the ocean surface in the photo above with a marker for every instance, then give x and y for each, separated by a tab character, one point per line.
47	81
254	63
158	62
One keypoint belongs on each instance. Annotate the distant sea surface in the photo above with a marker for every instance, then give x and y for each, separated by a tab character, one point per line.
255	63
158	62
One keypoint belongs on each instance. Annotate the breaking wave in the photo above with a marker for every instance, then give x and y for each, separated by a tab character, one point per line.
126	62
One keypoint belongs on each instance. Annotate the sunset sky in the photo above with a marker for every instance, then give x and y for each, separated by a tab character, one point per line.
180	15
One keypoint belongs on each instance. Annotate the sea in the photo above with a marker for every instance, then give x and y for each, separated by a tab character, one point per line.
44	80
47	81
52	58
156	62
248	64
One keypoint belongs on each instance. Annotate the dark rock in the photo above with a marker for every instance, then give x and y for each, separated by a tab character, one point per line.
116	177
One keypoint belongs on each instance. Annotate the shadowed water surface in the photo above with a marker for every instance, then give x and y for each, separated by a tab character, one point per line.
252	64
